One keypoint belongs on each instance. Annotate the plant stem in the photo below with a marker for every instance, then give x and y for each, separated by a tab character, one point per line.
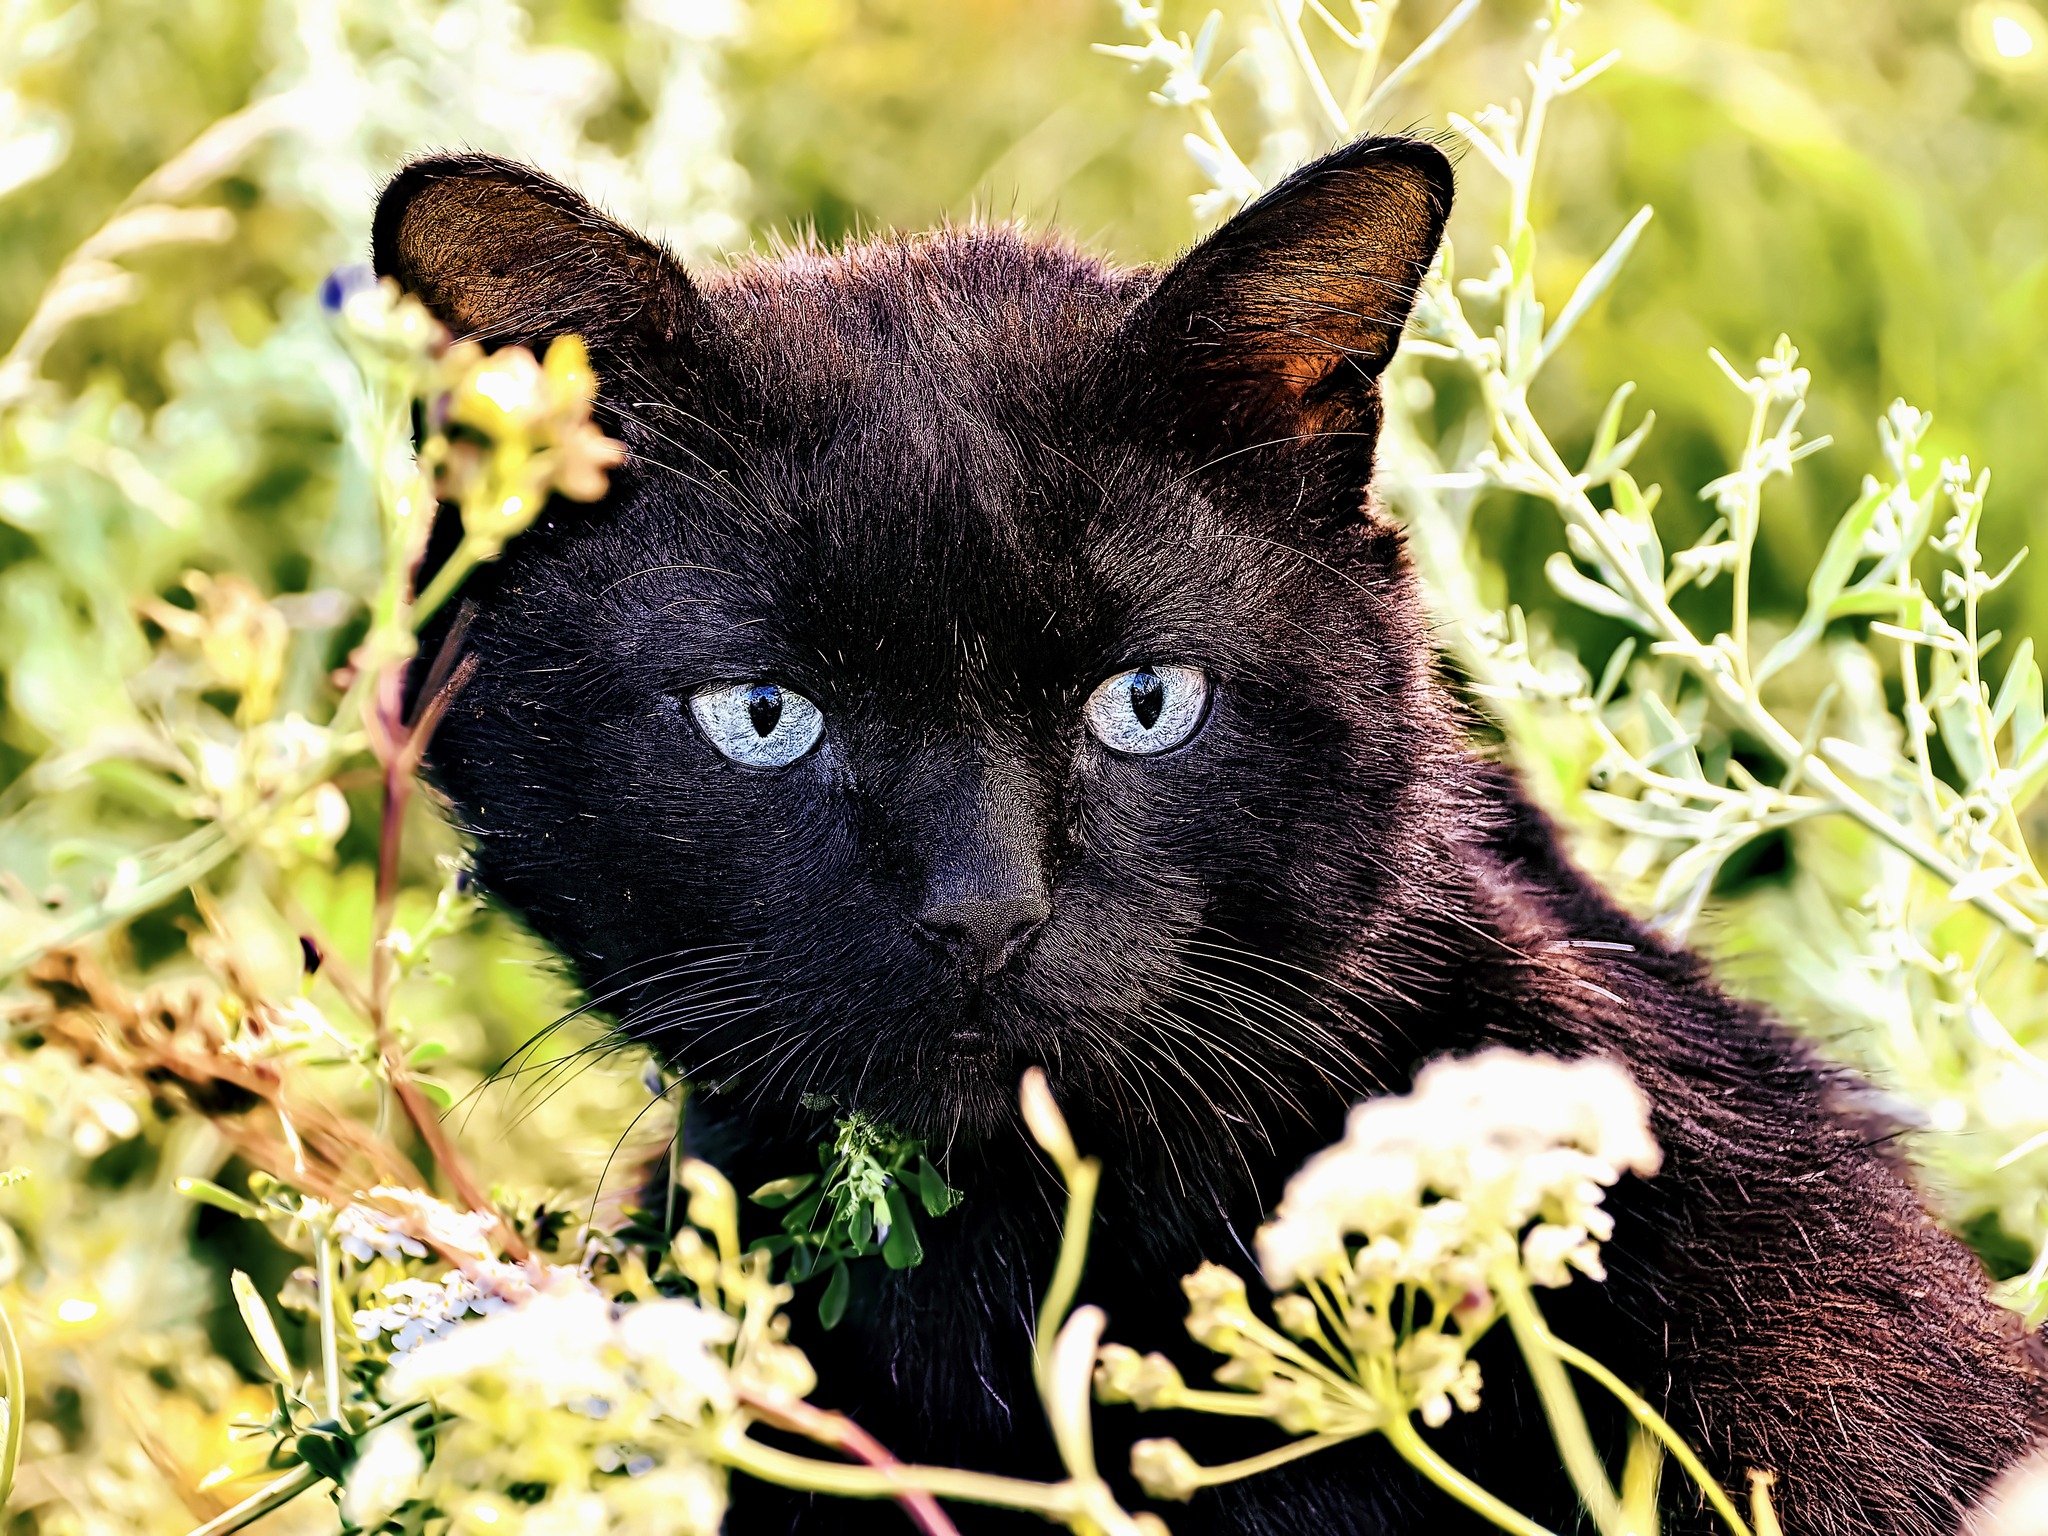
261	1503
330	1352
469	554
1294	1450
1417	1453
17	1405
1527	440
1290	28
1424	50
1651	1420
1372	42
1745	533
842	1434
401	748
1560	1404
288	1487
1055	1501
192	858
1082	1181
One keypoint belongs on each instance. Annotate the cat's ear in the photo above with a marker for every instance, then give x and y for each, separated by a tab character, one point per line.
1276	328
503	254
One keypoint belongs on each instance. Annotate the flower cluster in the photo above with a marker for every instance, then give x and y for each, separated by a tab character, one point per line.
1430	1181
535	417
1394	1250
556	1405
569	1413
421	1310
365	1232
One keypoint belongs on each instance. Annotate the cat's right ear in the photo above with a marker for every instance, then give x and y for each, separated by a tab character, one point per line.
505	255
1273	331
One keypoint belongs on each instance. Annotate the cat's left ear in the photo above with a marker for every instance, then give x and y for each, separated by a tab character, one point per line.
1276	328
505	255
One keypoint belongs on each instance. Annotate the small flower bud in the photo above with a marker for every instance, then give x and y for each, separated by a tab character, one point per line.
1164	1470
1043	1119
1296	1314
1122	1375
1218	1308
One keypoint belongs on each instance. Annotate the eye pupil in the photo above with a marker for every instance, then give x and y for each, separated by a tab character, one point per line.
1148	697
764	708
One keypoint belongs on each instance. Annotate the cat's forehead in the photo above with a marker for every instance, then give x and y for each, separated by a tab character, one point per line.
928	491
944	557
973	310
916	554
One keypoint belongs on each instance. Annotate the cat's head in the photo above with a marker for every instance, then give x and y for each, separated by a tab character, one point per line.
987	656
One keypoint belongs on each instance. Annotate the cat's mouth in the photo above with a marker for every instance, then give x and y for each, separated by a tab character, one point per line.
972	1036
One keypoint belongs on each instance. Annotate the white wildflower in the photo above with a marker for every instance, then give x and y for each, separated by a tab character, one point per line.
422	1310
568	1386
672	1342
1501	1138
365	1234
560	1348
1437	1374
468	1232
570	1347
1551	1252
685	1497
1164	1470
386	1472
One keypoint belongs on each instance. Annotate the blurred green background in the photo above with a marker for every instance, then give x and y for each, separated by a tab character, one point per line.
1871	178
1866	177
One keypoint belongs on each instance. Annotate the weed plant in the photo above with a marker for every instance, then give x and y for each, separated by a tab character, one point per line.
247	1253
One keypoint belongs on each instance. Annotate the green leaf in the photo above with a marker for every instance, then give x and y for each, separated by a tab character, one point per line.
902	1250
1837	563
1591	286
805	1262
1610	675
262	1328
329	1455
1631	501
1670	740
777	1193
799	1217
1610	425
832	1305
1523	257
2016	685
938	1196
206	1192
1587	593
432	1050
2027	721
2027	777
439	1094
1866	598
1961	727
861	1227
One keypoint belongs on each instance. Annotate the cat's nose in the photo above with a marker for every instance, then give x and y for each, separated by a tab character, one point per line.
985	934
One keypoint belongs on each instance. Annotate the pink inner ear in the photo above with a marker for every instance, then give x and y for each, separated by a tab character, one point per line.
1282	378
1282	321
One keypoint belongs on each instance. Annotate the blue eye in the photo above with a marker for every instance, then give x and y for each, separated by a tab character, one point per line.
758	724
1147	709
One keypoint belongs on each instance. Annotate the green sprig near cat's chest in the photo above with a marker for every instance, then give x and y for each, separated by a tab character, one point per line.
858	1205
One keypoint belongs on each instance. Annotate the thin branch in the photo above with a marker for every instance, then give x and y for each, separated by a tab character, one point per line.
842	1434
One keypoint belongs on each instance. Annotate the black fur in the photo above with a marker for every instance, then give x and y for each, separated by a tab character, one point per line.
943	486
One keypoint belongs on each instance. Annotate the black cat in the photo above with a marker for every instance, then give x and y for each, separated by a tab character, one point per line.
991	656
